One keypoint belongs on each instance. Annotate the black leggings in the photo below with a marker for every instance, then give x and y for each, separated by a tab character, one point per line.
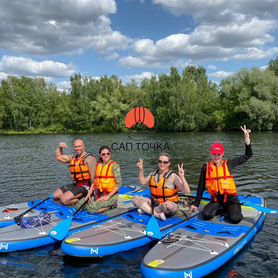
232	208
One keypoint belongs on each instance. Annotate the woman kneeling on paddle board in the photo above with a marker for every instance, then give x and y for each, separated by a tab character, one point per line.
103	195
164	185
216	177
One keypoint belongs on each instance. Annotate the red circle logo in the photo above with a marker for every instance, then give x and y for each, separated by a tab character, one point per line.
139	115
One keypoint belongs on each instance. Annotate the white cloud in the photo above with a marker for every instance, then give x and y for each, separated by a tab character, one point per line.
108	42
25	66
172	50
63	86
255	53
220	74
219	11
3	76
138	78
263	67
235	30
144	46
133	62
212	67
58	27
235	35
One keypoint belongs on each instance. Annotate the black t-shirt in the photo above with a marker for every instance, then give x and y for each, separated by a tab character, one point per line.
231	164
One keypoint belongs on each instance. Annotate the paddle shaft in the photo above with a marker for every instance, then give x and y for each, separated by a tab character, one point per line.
257	207
83	205
210	199
152	205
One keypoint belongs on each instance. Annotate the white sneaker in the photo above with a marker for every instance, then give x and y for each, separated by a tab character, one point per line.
162	216
140	211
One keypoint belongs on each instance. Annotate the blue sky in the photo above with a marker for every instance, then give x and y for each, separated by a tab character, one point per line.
134	39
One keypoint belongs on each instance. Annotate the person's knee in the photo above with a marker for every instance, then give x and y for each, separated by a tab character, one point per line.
236	218
135	201
206	215
57	194
56	197
138	201
169	208
65	200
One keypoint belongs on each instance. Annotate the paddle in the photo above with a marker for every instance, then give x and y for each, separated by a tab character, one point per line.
247	204
17	218
60	231
153	229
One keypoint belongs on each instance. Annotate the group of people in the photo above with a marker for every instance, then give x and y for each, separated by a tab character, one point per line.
95	182
98	182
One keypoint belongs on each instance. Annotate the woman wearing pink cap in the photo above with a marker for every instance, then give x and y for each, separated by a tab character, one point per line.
216	177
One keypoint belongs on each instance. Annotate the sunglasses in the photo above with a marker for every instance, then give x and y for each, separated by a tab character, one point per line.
103	154
163	162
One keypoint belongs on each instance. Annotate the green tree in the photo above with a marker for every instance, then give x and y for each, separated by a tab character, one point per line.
250	97
273	66
2	108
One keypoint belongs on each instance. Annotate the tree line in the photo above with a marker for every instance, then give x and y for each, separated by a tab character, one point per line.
179	102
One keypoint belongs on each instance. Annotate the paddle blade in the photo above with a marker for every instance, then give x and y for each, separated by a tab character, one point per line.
60	231
260	208
153	229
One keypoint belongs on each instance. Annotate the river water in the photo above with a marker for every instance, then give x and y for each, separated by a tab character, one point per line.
29	171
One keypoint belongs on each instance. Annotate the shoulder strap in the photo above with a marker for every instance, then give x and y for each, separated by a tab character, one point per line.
224	165
111	163
167	175
155	172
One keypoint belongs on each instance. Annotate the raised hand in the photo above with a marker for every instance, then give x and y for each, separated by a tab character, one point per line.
63	145
140	164
193	208
180	170
246	132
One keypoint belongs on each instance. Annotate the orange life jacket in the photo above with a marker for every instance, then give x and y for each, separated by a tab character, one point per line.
160	191
220	181
104	177
79	171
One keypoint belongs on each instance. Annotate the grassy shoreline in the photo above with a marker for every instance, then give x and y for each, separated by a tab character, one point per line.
98	130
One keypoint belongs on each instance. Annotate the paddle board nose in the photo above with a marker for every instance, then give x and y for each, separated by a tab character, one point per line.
139	115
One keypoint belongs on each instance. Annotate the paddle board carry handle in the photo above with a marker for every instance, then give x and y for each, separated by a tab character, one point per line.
8	210
17	218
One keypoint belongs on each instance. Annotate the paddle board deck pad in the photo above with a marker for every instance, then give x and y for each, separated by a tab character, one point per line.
199	247
119	234
14	238
7	213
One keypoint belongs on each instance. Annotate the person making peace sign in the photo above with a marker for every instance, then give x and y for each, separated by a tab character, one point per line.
216	177
164	185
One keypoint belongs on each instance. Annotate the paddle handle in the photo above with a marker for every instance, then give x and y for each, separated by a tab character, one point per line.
28	210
